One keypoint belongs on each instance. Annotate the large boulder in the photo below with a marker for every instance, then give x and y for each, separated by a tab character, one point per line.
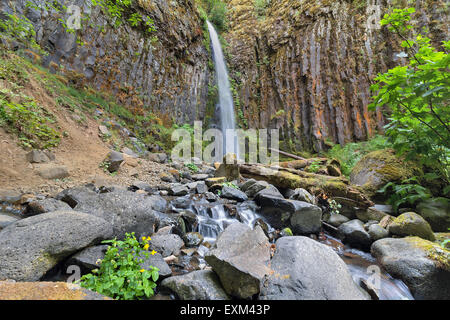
197	285
353	233
377	168
46	291
166	244
304	269
437	212
113	161
32	246
301	217
240	257
51	171
423	265
127	211
233	194
411	224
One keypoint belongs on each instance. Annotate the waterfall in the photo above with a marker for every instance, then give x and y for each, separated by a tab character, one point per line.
227	117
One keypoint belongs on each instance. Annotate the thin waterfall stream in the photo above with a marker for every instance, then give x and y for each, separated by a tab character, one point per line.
226	104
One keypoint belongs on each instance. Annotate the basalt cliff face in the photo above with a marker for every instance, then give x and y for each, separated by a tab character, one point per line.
168	75
305	67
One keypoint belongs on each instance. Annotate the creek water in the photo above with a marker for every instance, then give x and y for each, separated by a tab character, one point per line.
226	105
214	217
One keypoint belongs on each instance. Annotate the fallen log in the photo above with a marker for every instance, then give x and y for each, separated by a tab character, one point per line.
290	155
300	164
314	183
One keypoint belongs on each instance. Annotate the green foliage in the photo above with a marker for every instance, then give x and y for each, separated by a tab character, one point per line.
230	184
351	153
445	243
121	275
216	12
192	167
28	121
260	7
417	95
334	206
314	166
409	191
20	29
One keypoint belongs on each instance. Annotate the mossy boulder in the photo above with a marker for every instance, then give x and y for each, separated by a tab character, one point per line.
378	168
411	224
423	265
437	212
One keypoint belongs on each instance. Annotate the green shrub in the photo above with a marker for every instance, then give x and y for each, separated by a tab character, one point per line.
351	153
121	275
29	122
417	96
409	191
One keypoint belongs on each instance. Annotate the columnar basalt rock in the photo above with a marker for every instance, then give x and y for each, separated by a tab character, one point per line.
306	67
168	75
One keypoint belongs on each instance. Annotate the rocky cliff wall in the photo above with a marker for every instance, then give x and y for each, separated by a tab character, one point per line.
168	75
306	67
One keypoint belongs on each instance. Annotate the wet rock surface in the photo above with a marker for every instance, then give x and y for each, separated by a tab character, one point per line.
296	275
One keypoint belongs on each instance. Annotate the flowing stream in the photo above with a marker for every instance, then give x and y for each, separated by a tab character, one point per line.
213	218
226	105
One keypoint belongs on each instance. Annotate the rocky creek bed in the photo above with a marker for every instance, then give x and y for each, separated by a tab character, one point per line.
215	241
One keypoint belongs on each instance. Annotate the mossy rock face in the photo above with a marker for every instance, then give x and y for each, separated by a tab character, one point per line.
437	212
378	168
411	224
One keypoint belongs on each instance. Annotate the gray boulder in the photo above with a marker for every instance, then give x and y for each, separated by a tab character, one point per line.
197	285
240	258
166	244
46	205
39	156
32	246
127	211
157	261
269	191
114	159
247	184
301	217
304	269
300	194
6	220
87	258
354	234
255	187
337	219
377	232
437	212
53	172
233	194
178	190
423	265
411	224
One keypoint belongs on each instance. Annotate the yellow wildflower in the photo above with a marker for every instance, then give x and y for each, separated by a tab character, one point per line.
153	252
142	270
146	246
